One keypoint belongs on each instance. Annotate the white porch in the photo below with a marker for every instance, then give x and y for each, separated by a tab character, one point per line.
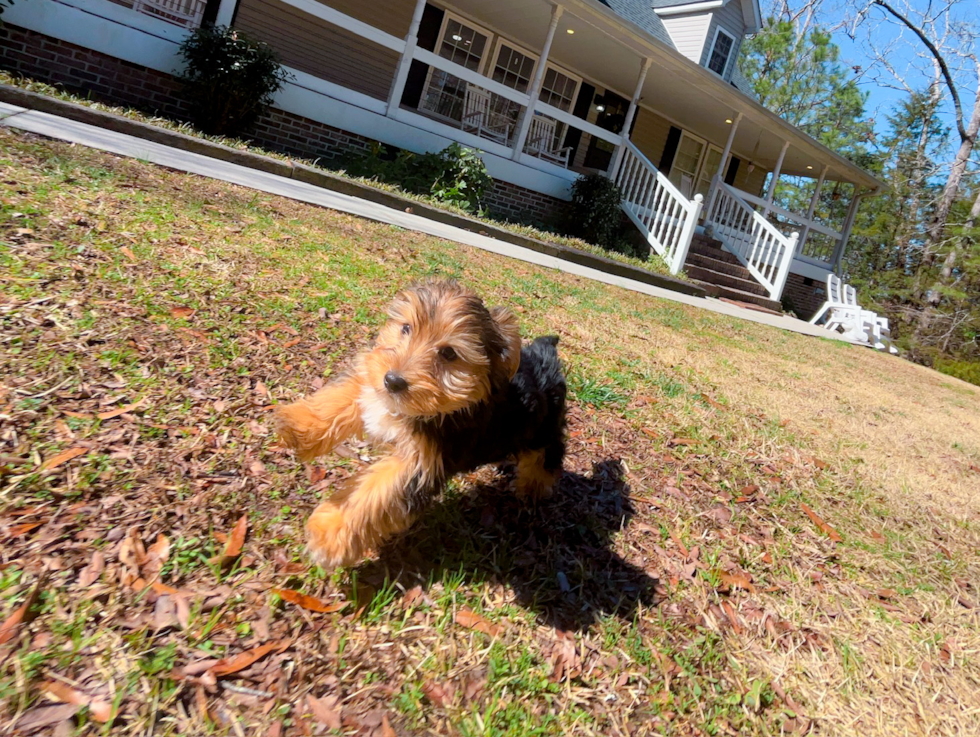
523	127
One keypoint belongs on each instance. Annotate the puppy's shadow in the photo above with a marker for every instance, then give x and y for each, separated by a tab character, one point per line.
557	556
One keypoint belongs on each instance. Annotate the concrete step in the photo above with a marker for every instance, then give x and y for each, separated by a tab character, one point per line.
738	295
739	283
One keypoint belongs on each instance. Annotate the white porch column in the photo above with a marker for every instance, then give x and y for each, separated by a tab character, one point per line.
630	114
775	178
846	232
524	122
226	12
405	63
813	206
720	174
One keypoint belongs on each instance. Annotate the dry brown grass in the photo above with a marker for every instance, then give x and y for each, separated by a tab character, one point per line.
695	595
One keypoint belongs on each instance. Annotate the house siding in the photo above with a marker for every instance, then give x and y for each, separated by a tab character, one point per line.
327	51
689	33
730	19
750	181
650	134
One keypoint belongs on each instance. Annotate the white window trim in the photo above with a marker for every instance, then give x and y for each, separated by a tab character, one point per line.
731	54
498	45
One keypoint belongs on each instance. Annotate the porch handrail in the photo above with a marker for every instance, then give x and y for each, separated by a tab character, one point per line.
458	70
575	122
662	213
788	214
762	249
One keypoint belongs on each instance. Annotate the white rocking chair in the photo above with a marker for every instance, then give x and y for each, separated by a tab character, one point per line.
541	141
479	117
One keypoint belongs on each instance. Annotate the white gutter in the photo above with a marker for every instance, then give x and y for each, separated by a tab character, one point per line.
690	8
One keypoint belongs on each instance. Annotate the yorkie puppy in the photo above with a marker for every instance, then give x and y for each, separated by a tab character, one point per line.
447	388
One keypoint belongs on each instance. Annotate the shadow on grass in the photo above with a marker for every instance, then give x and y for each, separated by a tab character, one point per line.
557	557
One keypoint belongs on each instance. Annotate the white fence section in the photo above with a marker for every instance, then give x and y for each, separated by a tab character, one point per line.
761	248
664	215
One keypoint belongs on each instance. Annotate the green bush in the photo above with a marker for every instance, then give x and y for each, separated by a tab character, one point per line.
595	213
229	78
456	175
965	370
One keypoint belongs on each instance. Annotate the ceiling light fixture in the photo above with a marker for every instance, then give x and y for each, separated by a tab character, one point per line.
570	32
808	166
728	120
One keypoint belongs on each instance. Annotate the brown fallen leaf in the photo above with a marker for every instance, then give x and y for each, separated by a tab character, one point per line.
471	620
24	528
100	710
182	312
824	527
413	596
326	710
45	716
90	573
156	555
233	548
682	441
22	614
291	343
565	661
440	694
736	580
877	536
235	663
886	593
119	411
62	457
386	730
128	253
309	602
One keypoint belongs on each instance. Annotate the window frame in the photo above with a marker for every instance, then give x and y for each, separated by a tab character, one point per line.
731	52
448	15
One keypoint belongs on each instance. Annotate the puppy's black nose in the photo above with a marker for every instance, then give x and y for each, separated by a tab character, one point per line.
395	383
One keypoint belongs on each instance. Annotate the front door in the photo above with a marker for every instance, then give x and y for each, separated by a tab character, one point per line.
611	117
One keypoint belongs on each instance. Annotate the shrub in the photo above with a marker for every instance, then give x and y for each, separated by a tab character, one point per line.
229	79
595	213
456	175
965	370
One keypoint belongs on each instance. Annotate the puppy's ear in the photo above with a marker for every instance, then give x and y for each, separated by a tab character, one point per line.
504	365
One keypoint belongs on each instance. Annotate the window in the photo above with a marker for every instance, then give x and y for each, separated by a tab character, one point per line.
721	52
709	168
513	68
558	90
462	44
687	164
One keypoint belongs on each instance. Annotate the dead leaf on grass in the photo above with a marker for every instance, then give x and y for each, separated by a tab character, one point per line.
824	527
326	710
45	716
120	411
736	580
235	663
90	573
22	614
100	710
128	253
440	694
309	602
182	312
386	730
471	620
565	661
62	457
233	548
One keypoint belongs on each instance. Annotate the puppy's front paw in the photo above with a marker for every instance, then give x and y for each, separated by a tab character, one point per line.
329	538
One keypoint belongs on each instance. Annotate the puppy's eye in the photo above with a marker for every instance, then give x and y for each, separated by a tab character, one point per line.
406	329
446	353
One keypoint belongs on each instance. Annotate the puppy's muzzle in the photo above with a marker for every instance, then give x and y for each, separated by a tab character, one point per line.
395	383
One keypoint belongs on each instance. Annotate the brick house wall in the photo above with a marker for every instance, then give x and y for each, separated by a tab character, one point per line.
804	295
114	81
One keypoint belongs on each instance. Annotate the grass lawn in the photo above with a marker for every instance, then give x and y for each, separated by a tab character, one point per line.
757	532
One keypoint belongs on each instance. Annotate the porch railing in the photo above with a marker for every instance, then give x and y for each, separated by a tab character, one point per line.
757	243
664	215
817	242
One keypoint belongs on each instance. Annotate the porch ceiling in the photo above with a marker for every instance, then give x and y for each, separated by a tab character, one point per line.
608	50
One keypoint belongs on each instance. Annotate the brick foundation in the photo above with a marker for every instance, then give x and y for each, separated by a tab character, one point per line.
113	81
804	295
522	205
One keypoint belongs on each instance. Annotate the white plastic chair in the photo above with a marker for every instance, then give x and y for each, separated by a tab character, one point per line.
541	141
479	118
